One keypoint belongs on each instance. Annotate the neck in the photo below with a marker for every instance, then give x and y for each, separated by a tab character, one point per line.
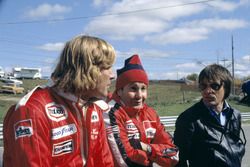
218	108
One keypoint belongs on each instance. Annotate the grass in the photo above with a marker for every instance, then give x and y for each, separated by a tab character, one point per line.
6	100
4	106
166	98
169	99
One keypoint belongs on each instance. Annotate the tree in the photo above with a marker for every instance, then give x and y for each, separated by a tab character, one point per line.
192	77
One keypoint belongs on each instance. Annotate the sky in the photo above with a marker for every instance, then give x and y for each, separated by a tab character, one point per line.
174	38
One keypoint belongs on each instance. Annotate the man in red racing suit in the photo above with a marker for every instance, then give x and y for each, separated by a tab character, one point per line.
52	135
135	133
62	125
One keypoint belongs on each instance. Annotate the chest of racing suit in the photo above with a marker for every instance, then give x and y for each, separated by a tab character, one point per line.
127	127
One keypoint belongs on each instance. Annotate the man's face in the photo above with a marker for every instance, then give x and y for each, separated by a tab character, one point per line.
103	84
212	92
133	94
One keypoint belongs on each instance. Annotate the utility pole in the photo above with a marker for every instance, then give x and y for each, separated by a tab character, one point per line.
233	86
219	54
224	60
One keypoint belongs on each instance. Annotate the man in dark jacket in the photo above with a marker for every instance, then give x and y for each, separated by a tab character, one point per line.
208	133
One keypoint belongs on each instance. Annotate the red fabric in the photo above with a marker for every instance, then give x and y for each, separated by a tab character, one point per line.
130	76
135	59
36	136
131	72
146	125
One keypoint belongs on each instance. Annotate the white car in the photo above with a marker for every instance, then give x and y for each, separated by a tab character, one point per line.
10	79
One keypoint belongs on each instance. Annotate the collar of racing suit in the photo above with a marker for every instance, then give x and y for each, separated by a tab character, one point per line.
102	104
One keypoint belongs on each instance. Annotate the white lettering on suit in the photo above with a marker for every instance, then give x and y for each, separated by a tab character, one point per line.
63	131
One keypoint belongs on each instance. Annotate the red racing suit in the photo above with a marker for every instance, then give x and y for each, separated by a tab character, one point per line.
127	127
53	129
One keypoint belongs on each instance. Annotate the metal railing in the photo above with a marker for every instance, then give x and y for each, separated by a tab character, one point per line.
168	121
1	131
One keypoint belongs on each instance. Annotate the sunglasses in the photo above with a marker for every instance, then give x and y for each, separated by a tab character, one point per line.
214	86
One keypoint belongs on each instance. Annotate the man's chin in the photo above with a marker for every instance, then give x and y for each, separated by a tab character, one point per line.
138	107
210	103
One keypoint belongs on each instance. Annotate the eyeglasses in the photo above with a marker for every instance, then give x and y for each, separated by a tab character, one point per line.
214	86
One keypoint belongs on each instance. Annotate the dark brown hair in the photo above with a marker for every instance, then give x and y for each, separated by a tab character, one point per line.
215	72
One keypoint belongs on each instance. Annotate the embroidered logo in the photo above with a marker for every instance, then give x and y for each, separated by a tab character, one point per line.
94	117
150	128
132	130
94	134
23	128
56	112
62	148
63	131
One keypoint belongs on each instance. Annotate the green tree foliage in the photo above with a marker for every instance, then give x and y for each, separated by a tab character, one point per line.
246	78
192	77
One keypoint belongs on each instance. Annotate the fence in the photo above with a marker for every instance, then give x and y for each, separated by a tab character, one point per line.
1	131
168	121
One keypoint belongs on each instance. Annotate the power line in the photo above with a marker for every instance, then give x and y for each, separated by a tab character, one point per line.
104	15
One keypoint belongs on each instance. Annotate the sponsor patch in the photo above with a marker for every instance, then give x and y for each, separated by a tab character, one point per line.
23	128
62	148
94	134
132	130
56	112
150	128
94	117
63	131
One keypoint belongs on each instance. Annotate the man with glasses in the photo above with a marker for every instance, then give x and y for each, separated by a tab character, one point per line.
208	133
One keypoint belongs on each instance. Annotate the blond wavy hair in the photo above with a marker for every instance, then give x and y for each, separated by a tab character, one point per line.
81	62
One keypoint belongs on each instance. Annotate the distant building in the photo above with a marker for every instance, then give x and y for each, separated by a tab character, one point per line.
1	72
29	73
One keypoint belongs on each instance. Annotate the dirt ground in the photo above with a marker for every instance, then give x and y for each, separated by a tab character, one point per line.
9	98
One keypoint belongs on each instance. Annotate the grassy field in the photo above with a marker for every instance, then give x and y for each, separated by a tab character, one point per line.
166	98
6	100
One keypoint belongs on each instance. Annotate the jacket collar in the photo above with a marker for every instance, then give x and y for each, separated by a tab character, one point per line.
131	111
205	112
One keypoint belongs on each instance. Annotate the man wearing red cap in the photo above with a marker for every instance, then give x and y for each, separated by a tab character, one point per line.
135	134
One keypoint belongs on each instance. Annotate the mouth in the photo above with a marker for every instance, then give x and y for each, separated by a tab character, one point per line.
210	98
138	103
